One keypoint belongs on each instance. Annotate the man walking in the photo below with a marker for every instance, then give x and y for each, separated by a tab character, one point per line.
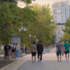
66	46
58	49
33	51
40	51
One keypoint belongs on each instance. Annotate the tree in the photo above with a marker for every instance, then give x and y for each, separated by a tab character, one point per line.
9	16
12	17
8	0
27	1
67	30
44	29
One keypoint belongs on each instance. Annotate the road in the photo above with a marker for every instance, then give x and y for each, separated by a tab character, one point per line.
49	63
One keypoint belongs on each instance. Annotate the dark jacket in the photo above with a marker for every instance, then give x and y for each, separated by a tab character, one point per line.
7	49
39	47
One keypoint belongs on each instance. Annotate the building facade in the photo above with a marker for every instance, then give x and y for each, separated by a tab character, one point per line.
61	11
58	32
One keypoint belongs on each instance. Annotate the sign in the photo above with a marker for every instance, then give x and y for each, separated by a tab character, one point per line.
15	35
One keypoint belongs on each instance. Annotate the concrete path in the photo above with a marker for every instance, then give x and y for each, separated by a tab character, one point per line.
49	63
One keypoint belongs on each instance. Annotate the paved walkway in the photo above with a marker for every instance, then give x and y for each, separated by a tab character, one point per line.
49	63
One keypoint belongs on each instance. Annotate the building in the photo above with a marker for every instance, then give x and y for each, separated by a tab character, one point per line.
69	10
61	11
59	33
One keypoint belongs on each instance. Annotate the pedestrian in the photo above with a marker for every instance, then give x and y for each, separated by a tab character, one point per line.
62	49
17	48
66	46
39	51
33	51
7	49
13	51
58	50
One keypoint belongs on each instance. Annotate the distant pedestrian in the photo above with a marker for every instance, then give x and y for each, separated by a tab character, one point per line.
40	51
58	50
62	49
66	46
7	49
17	48
13	51
33	51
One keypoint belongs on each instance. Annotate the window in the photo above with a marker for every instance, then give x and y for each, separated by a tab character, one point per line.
62	11
55	19
54	11
62	18
62	32
58	32
58	28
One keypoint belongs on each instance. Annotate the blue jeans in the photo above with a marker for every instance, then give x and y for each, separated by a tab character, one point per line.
16	53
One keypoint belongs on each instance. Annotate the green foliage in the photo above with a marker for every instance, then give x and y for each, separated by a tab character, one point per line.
36	19
9	16
52	40
45	28
27	1
67	30
8	0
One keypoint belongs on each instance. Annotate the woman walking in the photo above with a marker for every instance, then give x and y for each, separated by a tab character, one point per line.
13	50
17	48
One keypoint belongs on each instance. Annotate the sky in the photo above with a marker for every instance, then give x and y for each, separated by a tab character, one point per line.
42	2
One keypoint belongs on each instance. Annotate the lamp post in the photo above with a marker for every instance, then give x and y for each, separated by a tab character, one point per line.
22	30
30	38
35	39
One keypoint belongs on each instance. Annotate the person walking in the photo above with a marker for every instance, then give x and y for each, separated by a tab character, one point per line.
7	49
63	49
13	50
33	51
66	46
17	48
39	51
58	50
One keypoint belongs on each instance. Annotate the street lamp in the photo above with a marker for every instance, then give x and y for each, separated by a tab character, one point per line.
22	30
35	39
30	39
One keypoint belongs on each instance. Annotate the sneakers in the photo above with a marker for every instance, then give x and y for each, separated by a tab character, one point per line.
60	60
67	59
38	60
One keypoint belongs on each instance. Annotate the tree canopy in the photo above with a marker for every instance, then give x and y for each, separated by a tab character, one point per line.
66	35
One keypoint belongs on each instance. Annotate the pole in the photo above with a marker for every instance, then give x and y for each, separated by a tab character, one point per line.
30	41
23	42
7	34
35	41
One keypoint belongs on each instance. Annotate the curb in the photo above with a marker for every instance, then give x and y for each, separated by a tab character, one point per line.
4	68
16	62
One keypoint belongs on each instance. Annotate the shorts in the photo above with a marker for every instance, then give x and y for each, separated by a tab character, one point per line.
58	53
33	53
13	50
66	52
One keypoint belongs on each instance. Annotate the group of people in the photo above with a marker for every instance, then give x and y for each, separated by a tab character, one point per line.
62	49
13	49
36	49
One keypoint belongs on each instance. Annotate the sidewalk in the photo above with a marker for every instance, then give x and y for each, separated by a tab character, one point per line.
49	63
17	64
